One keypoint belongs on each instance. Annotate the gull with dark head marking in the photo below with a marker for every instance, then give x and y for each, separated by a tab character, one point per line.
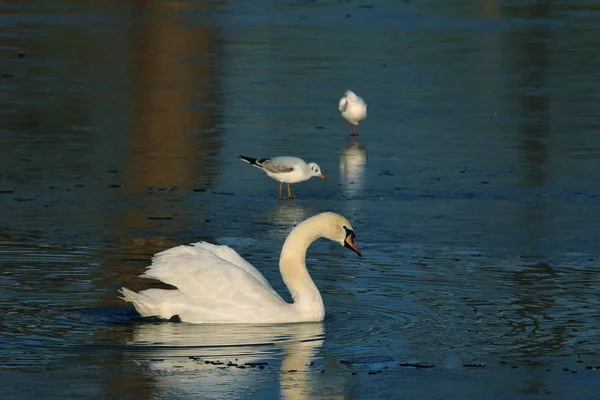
353	109
286	170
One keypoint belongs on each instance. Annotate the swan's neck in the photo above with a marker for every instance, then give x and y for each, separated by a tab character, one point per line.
305	295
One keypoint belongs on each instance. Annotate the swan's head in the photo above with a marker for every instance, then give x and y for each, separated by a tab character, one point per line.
337	228
315	170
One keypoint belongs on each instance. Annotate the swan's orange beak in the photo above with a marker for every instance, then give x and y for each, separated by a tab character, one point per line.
349	243
321	176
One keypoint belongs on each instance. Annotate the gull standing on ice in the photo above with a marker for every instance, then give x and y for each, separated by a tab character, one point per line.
353	109
286	170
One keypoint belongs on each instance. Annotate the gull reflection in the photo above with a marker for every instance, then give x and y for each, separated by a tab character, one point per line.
221	360
352	167
288	213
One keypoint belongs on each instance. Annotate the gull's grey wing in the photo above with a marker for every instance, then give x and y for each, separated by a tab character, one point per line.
277	167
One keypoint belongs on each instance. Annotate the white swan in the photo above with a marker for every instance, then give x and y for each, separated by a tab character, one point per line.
215	285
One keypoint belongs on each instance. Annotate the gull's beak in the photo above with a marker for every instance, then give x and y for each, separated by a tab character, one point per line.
321	176
349	243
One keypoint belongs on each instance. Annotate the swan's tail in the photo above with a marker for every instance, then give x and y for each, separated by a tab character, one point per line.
257	162
145	305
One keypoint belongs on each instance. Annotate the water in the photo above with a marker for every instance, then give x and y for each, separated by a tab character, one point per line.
472	189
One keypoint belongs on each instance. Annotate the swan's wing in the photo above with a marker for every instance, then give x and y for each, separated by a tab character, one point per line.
205	278
229	254
343	104
279	165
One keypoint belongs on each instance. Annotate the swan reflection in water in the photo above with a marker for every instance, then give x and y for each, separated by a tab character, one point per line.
178	354
352	167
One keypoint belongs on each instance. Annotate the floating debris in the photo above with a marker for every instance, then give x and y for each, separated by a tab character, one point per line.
574	371
416	365
367	360
474	365
256	364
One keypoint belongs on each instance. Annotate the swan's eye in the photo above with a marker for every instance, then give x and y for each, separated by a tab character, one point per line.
348	231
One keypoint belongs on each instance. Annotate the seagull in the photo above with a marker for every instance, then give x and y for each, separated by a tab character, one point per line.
286	170
353	109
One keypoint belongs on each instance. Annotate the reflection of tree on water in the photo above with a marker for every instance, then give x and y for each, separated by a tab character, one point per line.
534	332
534	102
170	148
173	144
164	161
174	344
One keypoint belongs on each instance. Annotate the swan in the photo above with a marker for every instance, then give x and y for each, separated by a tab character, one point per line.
214	284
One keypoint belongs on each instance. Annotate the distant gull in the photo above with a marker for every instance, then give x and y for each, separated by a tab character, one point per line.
286	170
353	109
